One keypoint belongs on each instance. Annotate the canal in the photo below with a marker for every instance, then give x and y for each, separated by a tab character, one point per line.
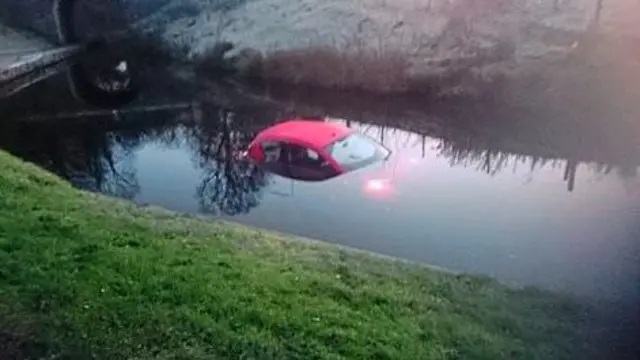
524	219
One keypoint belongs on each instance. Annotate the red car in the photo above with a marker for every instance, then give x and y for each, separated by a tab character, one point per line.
314	150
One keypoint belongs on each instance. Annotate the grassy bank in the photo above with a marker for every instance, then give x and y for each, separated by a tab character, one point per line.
83	276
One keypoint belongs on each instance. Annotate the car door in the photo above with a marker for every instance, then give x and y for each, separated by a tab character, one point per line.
275	157
308	164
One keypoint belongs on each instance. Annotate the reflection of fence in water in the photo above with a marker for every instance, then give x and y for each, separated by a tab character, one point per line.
490	161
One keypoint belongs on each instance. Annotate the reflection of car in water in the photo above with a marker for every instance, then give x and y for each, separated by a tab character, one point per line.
312	150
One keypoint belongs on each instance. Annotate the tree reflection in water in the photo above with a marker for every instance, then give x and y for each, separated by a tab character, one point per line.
86	156
97	153
94	154
108	170
494	161
475	152
229	186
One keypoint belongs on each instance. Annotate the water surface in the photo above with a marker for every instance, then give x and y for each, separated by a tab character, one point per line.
526	220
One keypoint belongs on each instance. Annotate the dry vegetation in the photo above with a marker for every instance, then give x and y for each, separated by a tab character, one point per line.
382	70
454	60
379	70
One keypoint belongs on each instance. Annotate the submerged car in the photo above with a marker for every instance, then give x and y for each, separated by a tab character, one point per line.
312	150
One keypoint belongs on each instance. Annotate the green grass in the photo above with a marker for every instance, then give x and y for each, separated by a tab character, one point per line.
83	276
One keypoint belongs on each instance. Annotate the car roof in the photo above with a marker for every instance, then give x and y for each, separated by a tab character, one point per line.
312	133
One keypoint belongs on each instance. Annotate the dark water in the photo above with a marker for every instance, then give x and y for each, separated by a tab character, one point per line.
526	220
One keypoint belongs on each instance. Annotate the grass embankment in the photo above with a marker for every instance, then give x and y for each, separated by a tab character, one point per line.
83	276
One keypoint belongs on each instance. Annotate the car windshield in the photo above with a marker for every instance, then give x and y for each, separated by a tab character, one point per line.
356	151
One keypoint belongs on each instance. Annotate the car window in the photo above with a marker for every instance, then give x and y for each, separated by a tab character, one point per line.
312	155
298	162
356	151
307	164
305	157
273	151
